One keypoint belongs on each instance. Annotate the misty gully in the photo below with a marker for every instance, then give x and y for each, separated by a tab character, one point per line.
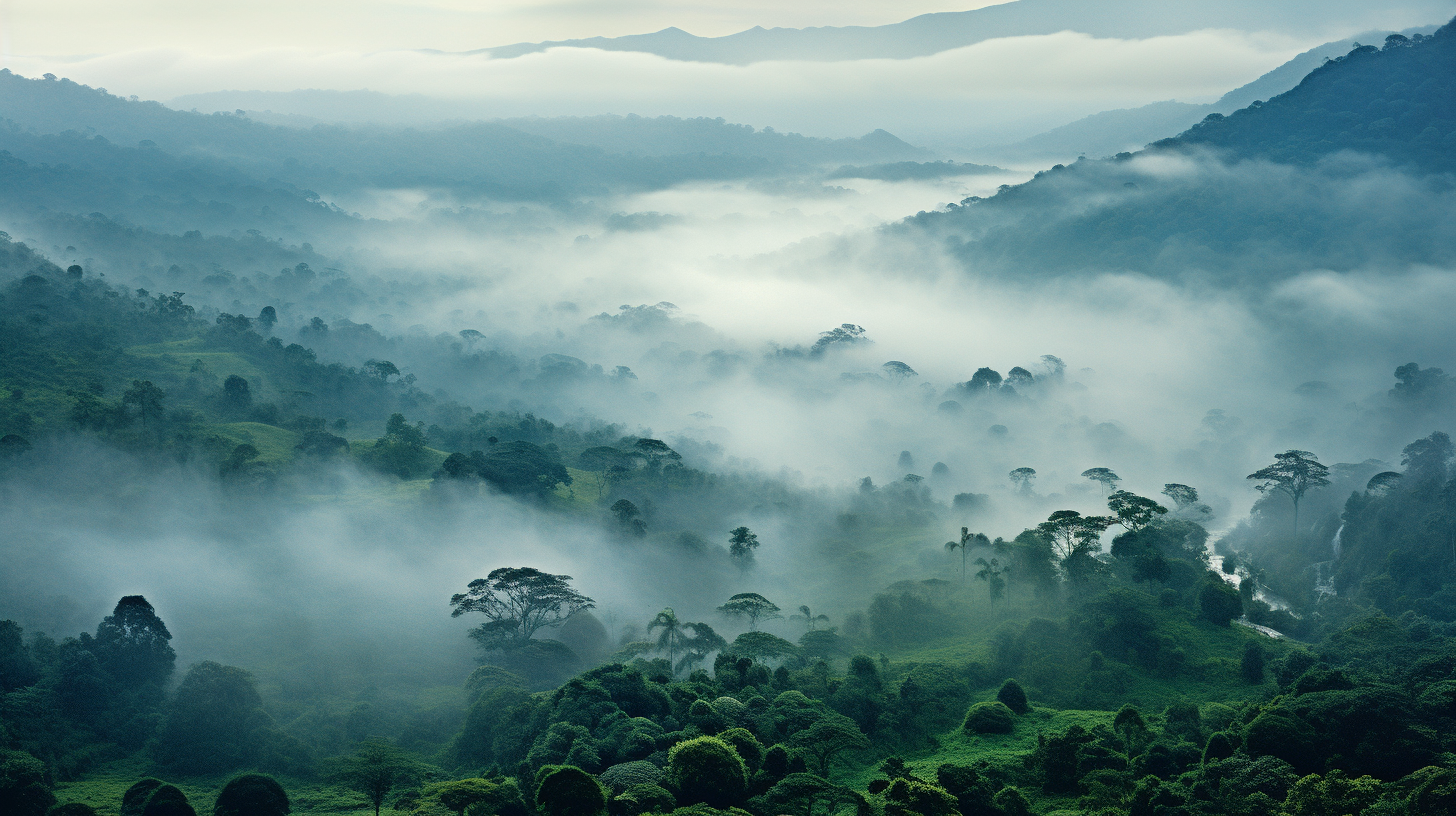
437	526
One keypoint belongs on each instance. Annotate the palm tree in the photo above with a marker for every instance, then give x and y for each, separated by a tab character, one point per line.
967	541
809	618
672	632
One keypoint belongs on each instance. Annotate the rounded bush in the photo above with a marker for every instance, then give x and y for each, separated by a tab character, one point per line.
569	791
990	718
640	799
252	795
706	770
24	787
1013	697
137	795
626	775
746	745
168	801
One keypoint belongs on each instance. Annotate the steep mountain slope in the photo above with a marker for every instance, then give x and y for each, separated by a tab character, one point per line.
1395	102
1115	131
1347	171
933	33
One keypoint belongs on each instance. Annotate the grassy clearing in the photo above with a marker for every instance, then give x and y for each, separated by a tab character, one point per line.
104	788
274	444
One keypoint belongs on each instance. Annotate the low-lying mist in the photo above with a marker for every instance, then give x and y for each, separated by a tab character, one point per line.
706	316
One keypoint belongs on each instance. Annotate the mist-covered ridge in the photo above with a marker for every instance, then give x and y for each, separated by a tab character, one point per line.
932	33
1267	192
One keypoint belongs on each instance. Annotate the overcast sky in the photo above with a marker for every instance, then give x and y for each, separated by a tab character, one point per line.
987	93
105	26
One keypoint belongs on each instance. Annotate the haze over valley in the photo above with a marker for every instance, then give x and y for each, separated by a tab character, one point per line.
1023	409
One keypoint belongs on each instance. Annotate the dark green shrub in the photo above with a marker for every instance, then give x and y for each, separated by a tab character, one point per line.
1219	747
1252	664
1218	602
619	778
24	786
252	795
706	770
1012	802
137	795
565	790
990	718
911	797
168	801
1013	697
640	799
746	745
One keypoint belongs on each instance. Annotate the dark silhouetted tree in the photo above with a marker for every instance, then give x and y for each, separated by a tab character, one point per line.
751	606
1293	473
516	602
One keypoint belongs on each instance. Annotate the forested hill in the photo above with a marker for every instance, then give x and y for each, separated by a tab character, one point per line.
1397	101
568	160
1269	192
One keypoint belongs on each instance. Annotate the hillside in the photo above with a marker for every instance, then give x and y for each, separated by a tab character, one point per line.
1116	131
1230	216
478	160
1393	101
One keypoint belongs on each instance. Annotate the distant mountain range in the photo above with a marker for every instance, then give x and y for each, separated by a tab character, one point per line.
933	33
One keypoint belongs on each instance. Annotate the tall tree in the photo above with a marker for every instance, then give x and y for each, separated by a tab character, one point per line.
148	401
133	644
1103	476
1293	473
1074	537
1022	478
741	544
966	542
673	632
516	602
811	620
376	769
1132	511
752	606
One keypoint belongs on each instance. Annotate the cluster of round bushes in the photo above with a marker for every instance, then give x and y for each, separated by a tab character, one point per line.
998	717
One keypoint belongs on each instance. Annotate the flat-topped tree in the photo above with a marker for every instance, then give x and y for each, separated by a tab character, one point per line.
517	601
752	606
1293	473
1103	476
1132	511
1022	478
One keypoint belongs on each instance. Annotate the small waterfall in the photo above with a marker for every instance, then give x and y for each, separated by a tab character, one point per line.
1324	579
1335	542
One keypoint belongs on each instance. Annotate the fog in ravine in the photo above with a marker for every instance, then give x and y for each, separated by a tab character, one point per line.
797	332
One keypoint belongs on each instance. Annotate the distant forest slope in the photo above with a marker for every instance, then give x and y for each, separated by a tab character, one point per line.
1395	101
478	159
1252	198
932	33
1115	131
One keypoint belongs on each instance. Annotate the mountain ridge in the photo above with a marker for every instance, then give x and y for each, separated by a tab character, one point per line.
932	33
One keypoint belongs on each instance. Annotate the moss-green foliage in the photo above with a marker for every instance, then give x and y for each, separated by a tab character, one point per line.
707	770
989	718
252	795
168	800
216	722
1013	696
568	791
24	787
